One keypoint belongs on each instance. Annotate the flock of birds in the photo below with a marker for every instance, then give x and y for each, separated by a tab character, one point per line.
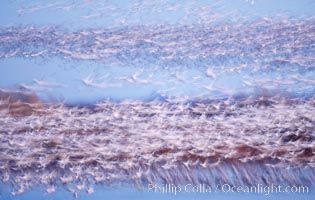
286	44
264	135
273	55
241	140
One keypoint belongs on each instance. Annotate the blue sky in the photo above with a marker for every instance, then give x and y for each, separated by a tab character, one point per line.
77	14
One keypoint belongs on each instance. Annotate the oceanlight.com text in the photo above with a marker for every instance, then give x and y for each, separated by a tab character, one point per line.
227	188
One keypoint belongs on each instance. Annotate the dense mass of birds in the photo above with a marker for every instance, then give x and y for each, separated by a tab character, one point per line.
245	140
285	44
